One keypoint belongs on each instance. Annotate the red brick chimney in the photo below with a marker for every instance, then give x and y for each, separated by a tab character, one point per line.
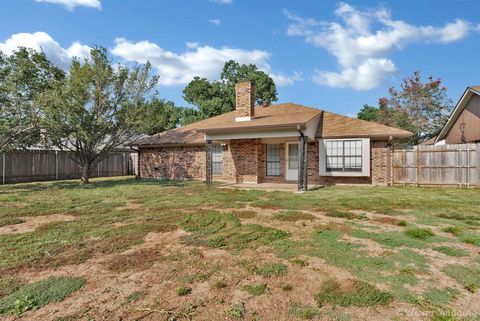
244	101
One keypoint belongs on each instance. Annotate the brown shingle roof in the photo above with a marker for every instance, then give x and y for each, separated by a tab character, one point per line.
477	88
338	126
278	116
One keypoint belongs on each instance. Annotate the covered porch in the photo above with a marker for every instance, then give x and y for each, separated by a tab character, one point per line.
269	162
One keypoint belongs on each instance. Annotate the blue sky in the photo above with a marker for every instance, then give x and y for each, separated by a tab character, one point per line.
327	54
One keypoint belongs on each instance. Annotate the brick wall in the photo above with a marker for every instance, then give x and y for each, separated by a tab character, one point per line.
186	162
245	161
244	99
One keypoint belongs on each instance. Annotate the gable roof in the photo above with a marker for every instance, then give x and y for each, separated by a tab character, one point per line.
338	126
459	107
279	116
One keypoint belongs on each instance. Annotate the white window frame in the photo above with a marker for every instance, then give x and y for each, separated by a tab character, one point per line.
217	158
365	159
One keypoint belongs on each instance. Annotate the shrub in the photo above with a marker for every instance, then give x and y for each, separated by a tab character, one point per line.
356	294
419	233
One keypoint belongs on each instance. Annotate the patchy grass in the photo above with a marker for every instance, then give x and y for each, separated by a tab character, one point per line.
470	238
236	311
184	291
135	261
256	290
220	230
292	216
438	297
304	311
113	216
272	269
356	293
419	233
220	284
245	214
10	221
135	296
38	294
340	214
8	285
299	262
454	230
451	251
467	276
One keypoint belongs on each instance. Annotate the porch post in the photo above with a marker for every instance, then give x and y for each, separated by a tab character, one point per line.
208	163
302	162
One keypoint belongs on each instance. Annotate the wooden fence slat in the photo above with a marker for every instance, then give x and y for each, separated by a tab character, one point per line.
42	165
437	165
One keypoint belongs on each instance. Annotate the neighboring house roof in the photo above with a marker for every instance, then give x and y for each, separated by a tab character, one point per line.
274	117
457	111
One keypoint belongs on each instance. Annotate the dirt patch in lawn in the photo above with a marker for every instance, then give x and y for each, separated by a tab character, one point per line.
33	222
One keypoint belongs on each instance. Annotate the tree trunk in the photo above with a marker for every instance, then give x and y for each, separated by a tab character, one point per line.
86	169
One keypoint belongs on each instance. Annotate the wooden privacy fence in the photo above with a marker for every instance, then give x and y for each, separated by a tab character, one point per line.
43	165
431	165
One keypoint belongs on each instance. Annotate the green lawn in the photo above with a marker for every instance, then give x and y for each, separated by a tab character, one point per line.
325	254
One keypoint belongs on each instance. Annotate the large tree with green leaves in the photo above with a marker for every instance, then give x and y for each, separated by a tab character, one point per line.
420	107
156	116
369	113
24	75
212	98
96	108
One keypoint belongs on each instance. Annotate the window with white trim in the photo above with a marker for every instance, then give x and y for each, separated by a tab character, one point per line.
345	157
273	159
217	159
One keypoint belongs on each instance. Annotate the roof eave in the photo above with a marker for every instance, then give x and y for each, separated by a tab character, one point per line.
453	115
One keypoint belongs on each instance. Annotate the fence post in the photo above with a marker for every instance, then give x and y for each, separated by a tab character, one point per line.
477	164
123	163
56	164
3	170
417	161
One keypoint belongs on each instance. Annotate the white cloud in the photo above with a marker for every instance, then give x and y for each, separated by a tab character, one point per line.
286	80
41	41
71	4
362	40
192	44
222	1
216	22
368	75
180	68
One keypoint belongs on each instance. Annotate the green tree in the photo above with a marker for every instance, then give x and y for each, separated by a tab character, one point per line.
94	110
369	113
218	97
23	76
156	116
419	107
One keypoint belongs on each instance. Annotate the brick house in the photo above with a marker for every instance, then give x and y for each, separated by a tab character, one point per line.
284	143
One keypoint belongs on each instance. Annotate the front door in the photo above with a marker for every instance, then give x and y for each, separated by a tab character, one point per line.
292	162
